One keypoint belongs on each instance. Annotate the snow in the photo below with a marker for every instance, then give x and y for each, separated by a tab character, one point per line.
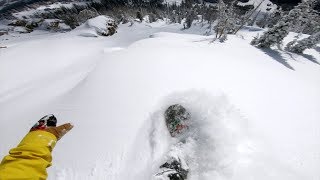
173	1
20	29
255	112
265	4
209	146
95	26
42	9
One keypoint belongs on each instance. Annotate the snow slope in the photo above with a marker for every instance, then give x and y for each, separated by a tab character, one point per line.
256	112
265	4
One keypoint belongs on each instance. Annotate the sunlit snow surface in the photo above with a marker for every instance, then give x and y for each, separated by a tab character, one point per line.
210	147
255	112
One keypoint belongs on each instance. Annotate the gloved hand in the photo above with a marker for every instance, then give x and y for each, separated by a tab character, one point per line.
32	156
49	123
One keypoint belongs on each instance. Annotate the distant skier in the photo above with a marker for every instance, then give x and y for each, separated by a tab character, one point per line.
32	156
177	121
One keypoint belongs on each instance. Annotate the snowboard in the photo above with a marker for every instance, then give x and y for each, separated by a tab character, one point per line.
177	120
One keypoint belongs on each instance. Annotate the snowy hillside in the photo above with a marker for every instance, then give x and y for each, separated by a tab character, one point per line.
265	4
255	112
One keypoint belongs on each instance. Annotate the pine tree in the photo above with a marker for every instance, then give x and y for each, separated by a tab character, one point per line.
189	19
222	19
306	43
295	20
313	19
273	36
139	16
274	17
226	20
300	16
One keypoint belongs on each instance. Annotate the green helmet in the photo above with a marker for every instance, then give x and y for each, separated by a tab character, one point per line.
176	117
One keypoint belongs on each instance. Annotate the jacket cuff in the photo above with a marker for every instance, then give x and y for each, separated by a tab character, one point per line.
39	138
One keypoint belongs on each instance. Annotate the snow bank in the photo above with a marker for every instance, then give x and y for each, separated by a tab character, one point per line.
20	29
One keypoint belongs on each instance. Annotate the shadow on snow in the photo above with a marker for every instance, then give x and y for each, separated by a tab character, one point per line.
310	58
317	48
278	57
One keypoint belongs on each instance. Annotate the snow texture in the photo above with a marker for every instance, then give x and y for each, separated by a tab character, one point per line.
255	112
211	145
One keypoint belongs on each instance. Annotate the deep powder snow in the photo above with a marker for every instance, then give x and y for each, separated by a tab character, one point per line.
255	112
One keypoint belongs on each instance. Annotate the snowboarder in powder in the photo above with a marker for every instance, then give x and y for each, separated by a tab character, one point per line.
177	120
32	156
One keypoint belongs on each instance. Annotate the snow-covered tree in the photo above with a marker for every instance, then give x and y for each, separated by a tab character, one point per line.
301	16
306	43
86	14
269	20
241	20
226	22
273	36
313	23
190	17
222	18
295	20
139	16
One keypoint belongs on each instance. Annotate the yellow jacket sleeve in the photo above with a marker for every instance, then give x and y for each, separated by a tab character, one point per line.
30	158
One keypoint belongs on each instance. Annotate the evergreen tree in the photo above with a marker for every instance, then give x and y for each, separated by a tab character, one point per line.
226	20
295	20
189	19
274	17
306	43
301	16
139	16
273	36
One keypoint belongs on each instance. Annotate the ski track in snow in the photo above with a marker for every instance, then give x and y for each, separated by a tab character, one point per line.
247	118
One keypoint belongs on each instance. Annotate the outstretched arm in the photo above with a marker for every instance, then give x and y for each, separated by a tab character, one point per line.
32	156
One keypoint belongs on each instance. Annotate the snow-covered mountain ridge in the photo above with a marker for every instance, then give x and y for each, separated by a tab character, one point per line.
259	107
